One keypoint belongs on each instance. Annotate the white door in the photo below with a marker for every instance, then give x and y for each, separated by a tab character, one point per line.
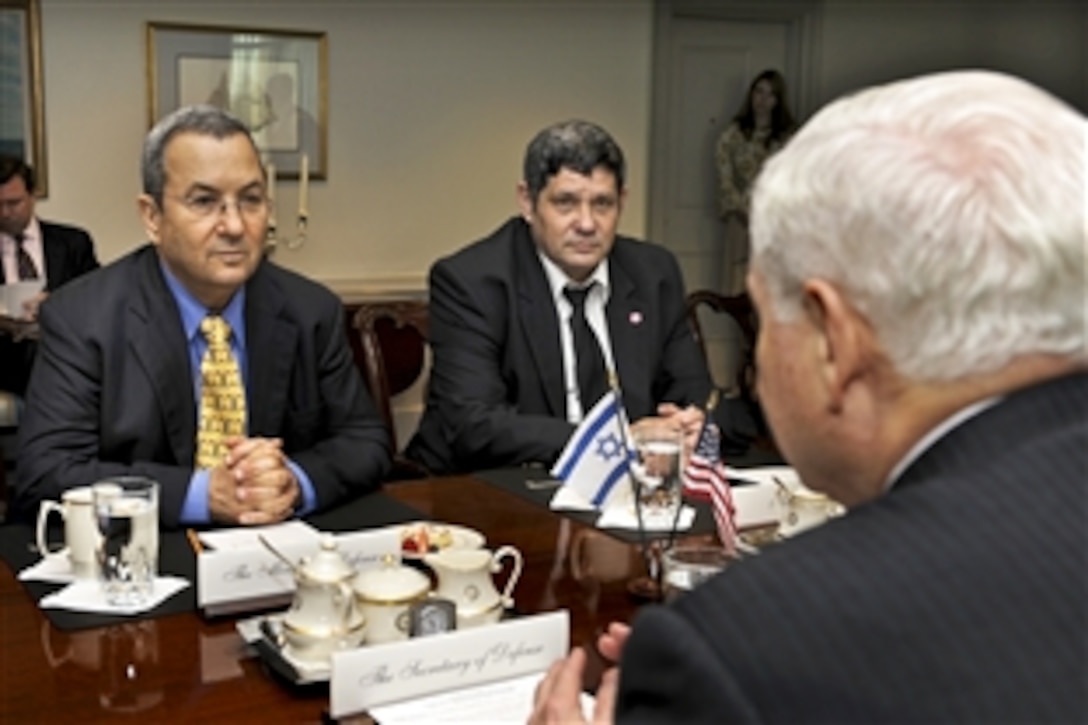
711	64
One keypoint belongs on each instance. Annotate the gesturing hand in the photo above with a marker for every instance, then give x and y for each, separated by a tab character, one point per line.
558	696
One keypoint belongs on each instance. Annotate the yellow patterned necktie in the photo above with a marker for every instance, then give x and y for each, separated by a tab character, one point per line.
222	396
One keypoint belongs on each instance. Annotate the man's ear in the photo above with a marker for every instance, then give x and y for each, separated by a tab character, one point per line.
525	202
150	215
844	339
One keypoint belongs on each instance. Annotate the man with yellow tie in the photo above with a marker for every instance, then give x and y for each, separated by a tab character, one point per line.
198	362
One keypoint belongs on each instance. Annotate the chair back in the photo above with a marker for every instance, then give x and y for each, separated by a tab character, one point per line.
391	340
740	309
9	424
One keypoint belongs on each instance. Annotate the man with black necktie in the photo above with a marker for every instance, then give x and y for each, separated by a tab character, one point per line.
32	249
919	267
528	325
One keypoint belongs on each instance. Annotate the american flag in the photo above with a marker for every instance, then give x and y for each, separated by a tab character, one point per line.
704	478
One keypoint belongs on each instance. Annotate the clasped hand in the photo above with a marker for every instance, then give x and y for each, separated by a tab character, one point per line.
253	485
687	420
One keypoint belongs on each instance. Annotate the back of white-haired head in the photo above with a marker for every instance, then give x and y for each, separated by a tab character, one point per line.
950	209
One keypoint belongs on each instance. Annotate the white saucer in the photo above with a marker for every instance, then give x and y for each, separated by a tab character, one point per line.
252	631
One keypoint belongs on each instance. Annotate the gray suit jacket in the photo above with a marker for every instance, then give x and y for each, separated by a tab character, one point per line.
496	394
112	392
961	596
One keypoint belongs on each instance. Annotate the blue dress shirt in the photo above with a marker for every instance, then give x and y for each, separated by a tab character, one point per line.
195	508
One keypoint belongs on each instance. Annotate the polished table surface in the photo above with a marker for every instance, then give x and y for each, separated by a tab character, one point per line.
184	667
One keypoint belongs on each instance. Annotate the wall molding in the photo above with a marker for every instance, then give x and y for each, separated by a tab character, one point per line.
362	289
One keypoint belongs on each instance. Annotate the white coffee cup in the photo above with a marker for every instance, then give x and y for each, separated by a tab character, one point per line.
80	530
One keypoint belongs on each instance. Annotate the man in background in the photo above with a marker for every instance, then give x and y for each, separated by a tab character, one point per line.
526	324
32	250
920	272
196	361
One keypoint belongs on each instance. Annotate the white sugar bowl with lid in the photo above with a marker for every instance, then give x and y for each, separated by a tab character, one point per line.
323	617
384	595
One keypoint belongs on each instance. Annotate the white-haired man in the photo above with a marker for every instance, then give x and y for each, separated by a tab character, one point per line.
919	265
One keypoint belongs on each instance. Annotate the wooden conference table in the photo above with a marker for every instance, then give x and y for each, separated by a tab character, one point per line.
183	667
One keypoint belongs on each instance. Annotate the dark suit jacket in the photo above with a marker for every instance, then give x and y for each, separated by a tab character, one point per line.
496	394
960	596
112	392
68	253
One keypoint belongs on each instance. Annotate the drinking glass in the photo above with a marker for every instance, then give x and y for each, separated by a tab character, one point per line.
656	472
127	512
686	567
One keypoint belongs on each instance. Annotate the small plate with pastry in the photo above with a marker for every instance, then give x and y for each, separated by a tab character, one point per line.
425	537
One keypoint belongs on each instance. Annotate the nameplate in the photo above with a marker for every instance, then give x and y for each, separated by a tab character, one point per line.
756	505
252	578
761	502
380	674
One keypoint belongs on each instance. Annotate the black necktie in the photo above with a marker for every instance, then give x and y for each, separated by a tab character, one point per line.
27	270
592	383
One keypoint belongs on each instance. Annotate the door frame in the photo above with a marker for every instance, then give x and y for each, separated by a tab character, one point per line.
802	18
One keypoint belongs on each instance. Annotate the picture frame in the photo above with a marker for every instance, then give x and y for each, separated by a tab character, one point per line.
22	112
275	81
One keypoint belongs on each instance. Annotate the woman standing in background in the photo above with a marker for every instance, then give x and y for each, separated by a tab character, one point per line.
761	126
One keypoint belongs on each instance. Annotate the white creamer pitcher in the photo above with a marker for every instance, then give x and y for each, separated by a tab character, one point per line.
465	577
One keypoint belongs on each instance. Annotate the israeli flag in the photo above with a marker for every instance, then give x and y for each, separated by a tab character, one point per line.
597	459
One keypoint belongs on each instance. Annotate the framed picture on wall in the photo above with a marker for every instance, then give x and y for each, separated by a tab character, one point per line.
275	81
22	116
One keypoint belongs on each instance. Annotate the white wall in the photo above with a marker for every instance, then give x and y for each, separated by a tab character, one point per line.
433	101
431	105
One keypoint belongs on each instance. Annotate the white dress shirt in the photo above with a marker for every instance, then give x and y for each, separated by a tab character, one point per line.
936	433
595	304
32	243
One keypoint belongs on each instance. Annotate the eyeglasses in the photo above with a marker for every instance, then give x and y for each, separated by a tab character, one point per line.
206	205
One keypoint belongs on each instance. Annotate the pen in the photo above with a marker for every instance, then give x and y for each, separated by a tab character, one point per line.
194	541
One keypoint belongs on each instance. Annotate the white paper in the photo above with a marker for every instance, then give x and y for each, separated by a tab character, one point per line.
245	537
765	475
55	567
620	514
497	703
374	675
625	517
12	296
86	595
566	498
